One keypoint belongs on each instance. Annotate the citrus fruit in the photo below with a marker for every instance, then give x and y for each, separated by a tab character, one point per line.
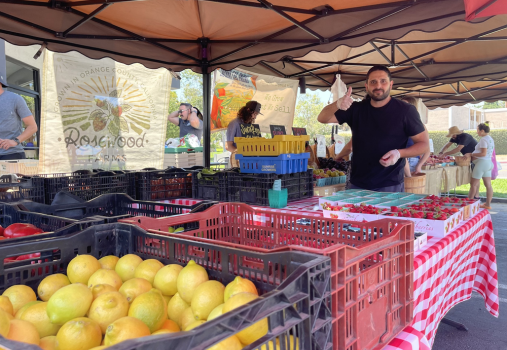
48	343
175	308
170	325
215	312
80	333
81	268
161	331
148	269
102	347
207	296
108	262
9	316
167	298
134	287
239	285
24	308
37	315
231	343
69	302
19	295
257	330
126	266
125	328
190	277
100	289
107	308
150	308
165	279
291	343
187	317
49	285
5	323
270	346
103	276
194	325
23	331
6	305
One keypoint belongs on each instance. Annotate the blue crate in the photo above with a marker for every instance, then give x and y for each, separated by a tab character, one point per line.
283	164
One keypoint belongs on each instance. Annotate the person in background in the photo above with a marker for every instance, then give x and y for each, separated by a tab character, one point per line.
246	115
481	157
414	165
189	123
465	142
13	113
381	127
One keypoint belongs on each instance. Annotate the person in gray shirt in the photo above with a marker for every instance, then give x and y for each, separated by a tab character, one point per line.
189	122
246	116
13	110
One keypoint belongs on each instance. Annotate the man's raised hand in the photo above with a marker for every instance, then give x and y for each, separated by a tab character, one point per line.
345	102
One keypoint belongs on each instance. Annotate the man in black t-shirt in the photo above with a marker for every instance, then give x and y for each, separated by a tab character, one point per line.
465	142
380	128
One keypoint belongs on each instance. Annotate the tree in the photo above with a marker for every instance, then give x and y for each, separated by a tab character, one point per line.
493	105
308	108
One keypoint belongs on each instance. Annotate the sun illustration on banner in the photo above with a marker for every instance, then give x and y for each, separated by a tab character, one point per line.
103	103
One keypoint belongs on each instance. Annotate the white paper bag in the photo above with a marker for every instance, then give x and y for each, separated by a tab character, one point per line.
321	146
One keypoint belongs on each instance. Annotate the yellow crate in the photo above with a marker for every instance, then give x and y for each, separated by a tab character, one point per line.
280	144
23	166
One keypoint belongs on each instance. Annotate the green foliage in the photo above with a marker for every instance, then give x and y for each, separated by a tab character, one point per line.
493	105
308	108
499	188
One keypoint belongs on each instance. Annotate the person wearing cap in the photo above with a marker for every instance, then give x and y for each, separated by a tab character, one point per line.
465	142
189	123
13	114
246	115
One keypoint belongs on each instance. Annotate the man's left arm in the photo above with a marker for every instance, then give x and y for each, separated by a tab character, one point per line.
195	122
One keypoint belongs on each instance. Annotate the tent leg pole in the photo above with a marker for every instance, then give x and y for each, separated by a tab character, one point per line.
206	93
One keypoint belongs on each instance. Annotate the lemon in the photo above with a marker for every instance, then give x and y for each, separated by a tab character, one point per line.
167	298
49	285
207	296
48	343
102	347
6	305
108	262
24	308
190	277
126	266
80	333
148	269
150	308
134	287
68	303
239	285
187	317
19	295
107	308
161	331
165	279
81	268
37	315
103	276
231	343
259	329
125	328
100	289
9	316
175	308
271	346
23	331
170	326
194	325
5	323
291	343
215	312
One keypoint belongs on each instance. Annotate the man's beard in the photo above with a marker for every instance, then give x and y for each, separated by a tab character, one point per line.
381	97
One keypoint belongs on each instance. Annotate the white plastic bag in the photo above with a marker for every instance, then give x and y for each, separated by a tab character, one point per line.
172	143
321	146
338	89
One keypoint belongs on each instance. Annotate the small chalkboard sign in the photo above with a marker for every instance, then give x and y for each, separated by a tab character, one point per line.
277	130
250	130
298	131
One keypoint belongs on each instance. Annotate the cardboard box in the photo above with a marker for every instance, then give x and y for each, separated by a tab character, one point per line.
344	215
434	228
422	239
328	190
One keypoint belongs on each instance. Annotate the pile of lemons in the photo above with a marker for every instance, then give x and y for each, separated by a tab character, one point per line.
103	302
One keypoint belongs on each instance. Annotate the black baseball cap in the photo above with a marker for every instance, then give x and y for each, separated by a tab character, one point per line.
254	106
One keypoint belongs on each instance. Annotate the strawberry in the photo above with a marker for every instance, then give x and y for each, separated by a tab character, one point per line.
394	209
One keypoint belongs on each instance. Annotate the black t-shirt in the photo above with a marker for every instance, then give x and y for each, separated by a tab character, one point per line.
466	140
376	131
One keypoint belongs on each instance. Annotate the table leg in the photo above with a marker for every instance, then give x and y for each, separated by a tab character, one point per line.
457	325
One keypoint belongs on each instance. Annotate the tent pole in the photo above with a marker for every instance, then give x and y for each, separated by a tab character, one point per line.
206	103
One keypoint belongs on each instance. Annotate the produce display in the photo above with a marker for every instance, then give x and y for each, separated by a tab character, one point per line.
436	159
16	231
330	163
351	208
325	173
100	303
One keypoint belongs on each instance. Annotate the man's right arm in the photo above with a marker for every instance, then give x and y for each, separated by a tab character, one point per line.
173	118
447	145
327	115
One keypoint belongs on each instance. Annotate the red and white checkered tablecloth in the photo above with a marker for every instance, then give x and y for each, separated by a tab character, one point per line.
446	272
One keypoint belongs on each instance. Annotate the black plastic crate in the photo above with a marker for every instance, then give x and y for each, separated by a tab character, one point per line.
22	188
212	186
86	184
165	184
294	286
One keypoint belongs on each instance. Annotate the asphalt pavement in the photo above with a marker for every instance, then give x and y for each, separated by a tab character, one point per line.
485	332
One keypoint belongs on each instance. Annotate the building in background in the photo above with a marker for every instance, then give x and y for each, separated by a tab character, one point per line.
465	118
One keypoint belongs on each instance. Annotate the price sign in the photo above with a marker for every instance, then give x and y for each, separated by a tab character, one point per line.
298	131
277	130
250	130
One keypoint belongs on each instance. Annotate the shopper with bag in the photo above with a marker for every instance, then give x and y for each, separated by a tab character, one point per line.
381	127
481	157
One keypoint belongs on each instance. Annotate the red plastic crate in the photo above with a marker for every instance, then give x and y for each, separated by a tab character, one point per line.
372	274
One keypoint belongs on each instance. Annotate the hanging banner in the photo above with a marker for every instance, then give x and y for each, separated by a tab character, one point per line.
101	114
234	88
